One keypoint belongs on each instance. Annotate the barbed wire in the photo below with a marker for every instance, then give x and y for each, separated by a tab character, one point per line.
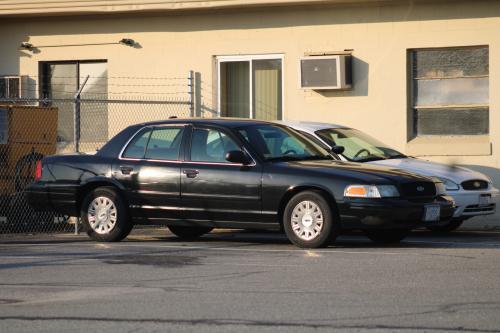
105	85
105	77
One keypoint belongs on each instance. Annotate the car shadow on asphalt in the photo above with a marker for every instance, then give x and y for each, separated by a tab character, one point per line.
275	238
350	240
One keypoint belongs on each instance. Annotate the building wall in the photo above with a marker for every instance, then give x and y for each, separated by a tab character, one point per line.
380	35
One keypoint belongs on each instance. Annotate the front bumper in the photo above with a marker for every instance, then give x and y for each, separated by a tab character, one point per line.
371	213
467	203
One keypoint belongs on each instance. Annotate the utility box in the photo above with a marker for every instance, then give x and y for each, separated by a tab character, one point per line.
27	134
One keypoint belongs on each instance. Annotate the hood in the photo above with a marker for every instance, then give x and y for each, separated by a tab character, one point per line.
368	171
455	173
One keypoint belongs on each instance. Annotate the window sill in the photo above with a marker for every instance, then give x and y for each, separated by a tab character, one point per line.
449	146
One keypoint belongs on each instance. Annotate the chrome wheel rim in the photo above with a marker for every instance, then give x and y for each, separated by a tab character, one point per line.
307	220
102	215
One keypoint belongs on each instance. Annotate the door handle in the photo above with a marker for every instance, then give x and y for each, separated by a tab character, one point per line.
126	170
191	173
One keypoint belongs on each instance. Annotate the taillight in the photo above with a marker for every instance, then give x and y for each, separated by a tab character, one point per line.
38	173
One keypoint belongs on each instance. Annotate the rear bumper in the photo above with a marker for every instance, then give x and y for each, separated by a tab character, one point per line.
59	198
371	213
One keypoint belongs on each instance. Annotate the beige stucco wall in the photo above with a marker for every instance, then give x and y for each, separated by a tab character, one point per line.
381	36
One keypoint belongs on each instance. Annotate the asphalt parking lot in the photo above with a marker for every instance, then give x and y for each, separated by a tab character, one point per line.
239	281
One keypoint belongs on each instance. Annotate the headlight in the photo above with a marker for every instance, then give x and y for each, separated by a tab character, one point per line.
448	184
440	190
371	191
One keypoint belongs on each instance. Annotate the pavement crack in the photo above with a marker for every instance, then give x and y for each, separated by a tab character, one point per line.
250	323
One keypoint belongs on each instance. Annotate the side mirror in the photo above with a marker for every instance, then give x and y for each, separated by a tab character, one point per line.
237	156
338	149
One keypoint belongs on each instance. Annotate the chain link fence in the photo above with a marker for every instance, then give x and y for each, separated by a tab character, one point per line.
33	128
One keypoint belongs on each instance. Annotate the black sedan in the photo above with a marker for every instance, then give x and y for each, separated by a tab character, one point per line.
194	175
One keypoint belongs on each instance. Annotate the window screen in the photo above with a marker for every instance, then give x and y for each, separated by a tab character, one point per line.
61	81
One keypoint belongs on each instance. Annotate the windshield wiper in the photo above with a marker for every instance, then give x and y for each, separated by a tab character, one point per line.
398	156
284	158
372	159
317	157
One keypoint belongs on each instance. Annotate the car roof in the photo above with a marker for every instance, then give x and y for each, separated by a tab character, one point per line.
229	122
308	126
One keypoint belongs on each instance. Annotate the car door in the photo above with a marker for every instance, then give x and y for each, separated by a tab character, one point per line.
149	168
217	191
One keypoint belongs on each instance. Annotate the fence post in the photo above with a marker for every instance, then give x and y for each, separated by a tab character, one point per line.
76	108
191	94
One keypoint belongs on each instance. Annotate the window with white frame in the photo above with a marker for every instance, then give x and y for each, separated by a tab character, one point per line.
60	80
250	86
450	91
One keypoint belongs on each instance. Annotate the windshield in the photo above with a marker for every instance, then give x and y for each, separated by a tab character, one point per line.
359	147
281	143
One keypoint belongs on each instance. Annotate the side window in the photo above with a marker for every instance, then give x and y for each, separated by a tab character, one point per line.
210	145
136	148
164	143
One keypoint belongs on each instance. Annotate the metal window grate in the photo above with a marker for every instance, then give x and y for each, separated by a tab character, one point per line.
452	121
450	63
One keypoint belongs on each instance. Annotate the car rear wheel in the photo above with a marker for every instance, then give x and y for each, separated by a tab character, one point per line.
387	236
104	216
189	232
450	226
310	220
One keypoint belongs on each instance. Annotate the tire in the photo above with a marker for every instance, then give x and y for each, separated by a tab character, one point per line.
310	220
450	226
189	232
116	223
387	236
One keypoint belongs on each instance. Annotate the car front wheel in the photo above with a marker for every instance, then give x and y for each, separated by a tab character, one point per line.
387	236
310	220
104	216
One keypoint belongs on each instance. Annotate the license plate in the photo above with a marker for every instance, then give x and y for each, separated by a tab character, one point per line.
484	200
432	213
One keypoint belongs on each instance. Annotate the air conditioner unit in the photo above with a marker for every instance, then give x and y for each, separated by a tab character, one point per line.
332	72
14	86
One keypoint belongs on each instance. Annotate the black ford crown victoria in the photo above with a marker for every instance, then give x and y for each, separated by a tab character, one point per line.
194	175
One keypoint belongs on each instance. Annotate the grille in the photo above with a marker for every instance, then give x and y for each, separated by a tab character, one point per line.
410	189
319	73
477	208
472	185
